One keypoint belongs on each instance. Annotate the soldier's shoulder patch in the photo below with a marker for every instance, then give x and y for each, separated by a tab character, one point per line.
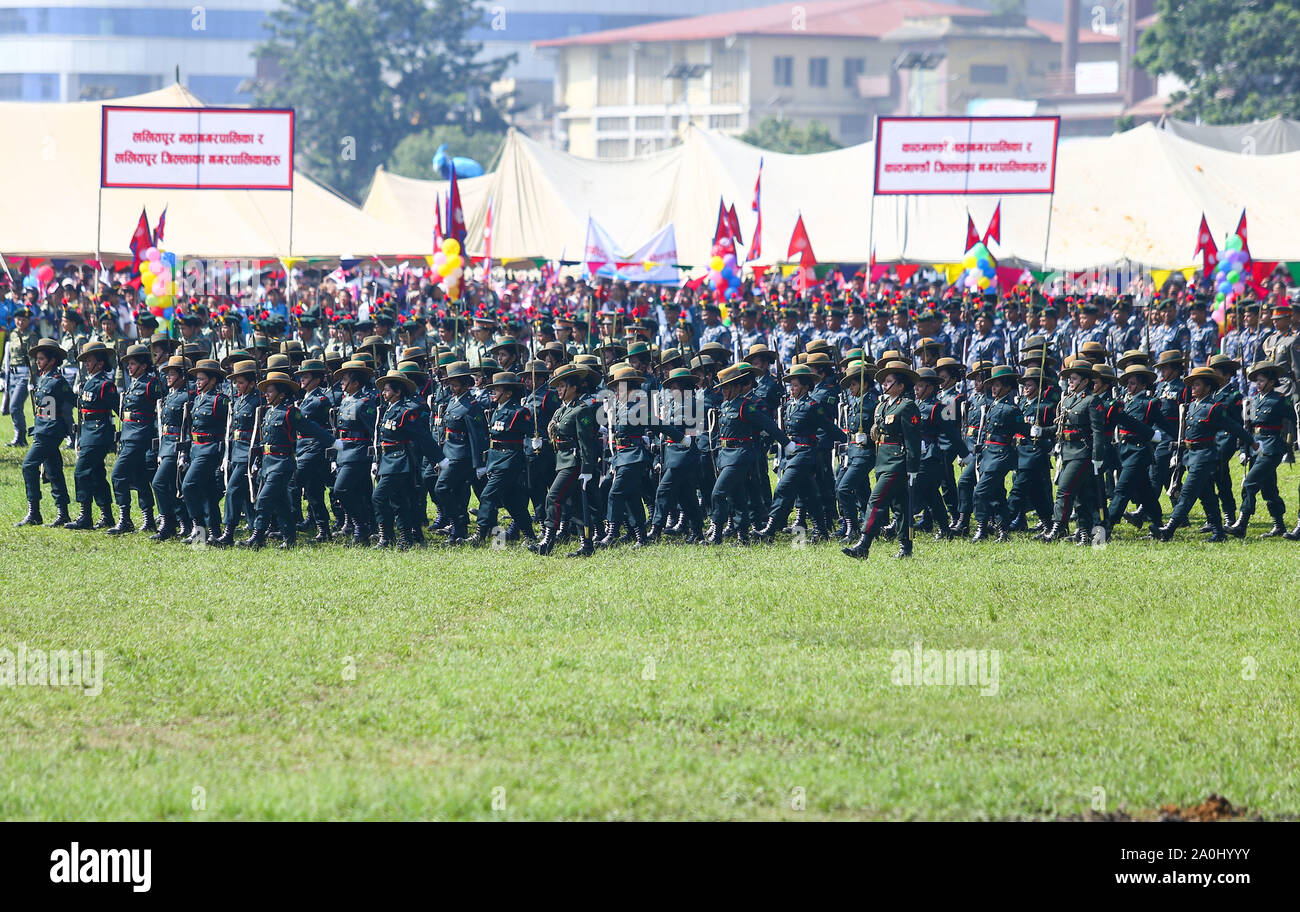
916	419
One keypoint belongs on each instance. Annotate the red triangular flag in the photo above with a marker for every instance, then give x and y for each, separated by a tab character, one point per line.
456	227
800	244
141	240
158	231
733	224
756	248
1241	233
972	236
995	226
1206	247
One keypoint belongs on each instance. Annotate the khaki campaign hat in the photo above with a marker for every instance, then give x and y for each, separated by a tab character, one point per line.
280	378
396	376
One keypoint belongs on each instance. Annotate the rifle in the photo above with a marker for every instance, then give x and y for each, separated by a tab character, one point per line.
254	457
979	439
374	448
182	444
4	402
1176	460
227	442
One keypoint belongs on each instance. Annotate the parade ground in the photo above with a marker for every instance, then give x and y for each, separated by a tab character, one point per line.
975	681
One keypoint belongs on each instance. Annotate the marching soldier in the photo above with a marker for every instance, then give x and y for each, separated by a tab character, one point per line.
209	422
1232	399
1204	419
245	411
506	460
462	453
97	403
357	429
976	405
739	423
312	464
1031	486
676	489
996	454
1172	396
896	427
172	415
1270	416
17	372
53	401
938	423
1082	453
853	487
1139	422
541	403
283	428
404	438
139	428
573	431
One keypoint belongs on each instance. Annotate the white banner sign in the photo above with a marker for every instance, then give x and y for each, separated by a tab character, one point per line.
197	148
999	155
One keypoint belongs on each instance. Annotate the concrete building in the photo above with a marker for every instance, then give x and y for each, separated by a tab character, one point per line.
67	50
627	92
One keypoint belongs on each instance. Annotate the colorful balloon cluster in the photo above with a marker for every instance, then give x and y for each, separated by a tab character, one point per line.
724	275
1230	273
42	276
158	280
450	265
981	269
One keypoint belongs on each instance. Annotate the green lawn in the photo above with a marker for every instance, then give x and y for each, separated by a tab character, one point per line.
678	683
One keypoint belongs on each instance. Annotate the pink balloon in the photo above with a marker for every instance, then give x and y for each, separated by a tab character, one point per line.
159	287
439	258
45	273
153	254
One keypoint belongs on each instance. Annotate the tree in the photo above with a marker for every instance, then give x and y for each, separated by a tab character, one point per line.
363	75
413	156
1239	58
779	135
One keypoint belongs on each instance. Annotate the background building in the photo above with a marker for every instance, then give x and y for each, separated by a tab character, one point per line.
69	50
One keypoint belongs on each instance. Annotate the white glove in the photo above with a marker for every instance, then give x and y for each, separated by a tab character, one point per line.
444	463
1157	435
1096	466
1256	447
911	478
584	479
481	471
790	448
1243	458
1035	431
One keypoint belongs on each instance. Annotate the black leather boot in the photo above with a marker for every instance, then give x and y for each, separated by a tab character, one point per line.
982	532
767	531
714	535
124	524
610	536
185	526
256	541
1238	529
641	538
166	529
105	516
852	530
695	535
20	439
1218	535
322	532
798	521
1004	533
904	548
860	549
587	548
1277	530
890	530
227	537
149	525
481	534
61	517
83	520
1058	531
512	531
33	517
1019	524
1294	534
385	539
819	533
1166	532
961	528
544	544
654	533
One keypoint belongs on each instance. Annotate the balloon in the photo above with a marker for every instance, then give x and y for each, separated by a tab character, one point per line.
45	273
969	261
455	261
451	246
715	264
1234	242
169	258
1224	287
152	254
444	270
1218	298
988	270
730	260
158	287
1239	287
983	282
1234	277
439	258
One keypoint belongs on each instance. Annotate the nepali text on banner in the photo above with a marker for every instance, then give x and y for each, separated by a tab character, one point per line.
966	154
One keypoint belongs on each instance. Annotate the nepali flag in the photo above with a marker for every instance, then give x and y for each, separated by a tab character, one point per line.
1206	247
456	226
1241	233
141	241
972	236
158	232
756	248
995	226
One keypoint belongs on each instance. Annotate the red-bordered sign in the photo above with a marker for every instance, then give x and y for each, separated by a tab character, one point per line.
197	148
961	155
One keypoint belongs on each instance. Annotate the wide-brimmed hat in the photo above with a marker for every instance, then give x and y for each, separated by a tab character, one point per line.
801	372
899	369
509	342
759	350
639	347
1225	363
853	354
278	377
1133	356
279	362
414	370
1034	374
50	347
951	364
535	367
733	374
239	354
1171	358
1081	366
670	356
980	367
459	370
242	369
858	370
1093	350
414	354
1106	373
349	367
138	351
927	374
569	373
506	379
1004	372
176	362
1264	367
377	343
208	366
625	374
1139	369
96	348
396	376
928	343
820	360
1208	374
312	366
681	375
161	338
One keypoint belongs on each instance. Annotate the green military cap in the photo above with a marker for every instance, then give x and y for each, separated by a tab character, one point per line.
506	379
569	373
1081	366
926	344
1226	363
801	372
1105	373
1170	358
535	367
1003	372
680	375
1133	356
759	350
1264	368
1208	375
312	366
459	370
413	369
1140	370
639	347
239	354
928	374
733	374
278	362
857	370
1034	375
853	354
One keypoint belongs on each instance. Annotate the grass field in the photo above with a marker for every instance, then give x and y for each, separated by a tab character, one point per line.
674	683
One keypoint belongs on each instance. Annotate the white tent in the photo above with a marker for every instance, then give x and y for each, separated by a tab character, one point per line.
1133	197
50	184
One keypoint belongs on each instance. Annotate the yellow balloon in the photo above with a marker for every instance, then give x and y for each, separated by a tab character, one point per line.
444	270
165	301
983	282
455	261
716	264
451	247
969	262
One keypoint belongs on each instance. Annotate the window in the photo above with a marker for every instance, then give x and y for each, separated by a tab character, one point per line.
988	74
853	68
725	75
650	68
818	68
724	121
783	71
611	148
645	124
611	124
611	79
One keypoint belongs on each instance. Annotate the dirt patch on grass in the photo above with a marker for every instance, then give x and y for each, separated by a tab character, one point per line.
1214	807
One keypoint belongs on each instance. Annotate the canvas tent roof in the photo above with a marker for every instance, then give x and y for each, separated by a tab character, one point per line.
1262	137
1135	196
51	180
